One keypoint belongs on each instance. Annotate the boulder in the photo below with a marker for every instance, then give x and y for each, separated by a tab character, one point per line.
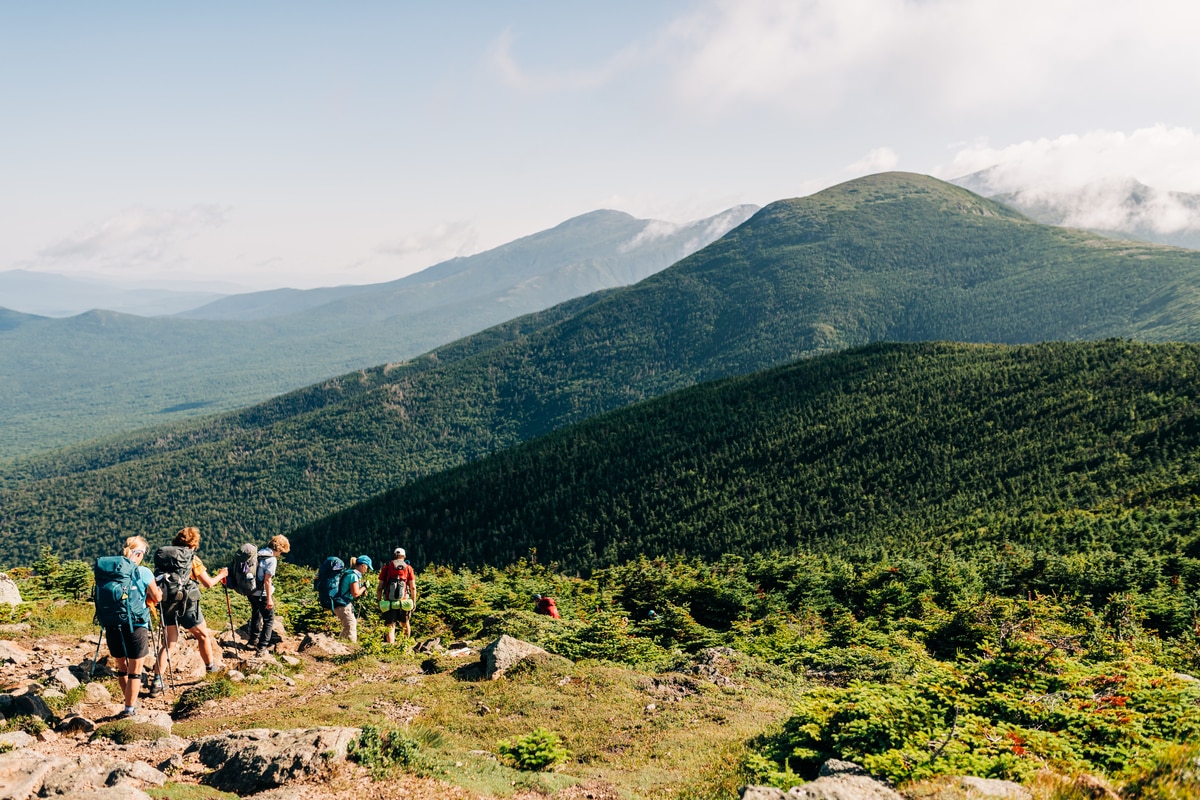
62	678
840	780
88	777
15	740
499	656
13	653
96	693
30	705
77	725
992	789
9	593
24	774
246	762
318	644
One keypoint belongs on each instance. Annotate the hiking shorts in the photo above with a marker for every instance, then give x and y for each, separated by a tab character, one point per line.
126	643
397	614
187	617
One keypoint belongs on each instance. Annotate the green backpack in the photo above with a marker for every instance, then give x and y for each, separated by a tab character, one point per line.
117	604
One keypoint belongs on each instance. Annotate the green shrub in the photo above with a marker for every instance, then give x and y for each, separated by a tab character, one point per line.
214	687
381	752
127	731
536	751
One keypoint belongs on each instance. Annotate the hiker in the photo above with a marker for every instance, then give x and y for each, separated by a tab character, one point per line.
262	599
397	594
545	605
123	590
350	588
182	570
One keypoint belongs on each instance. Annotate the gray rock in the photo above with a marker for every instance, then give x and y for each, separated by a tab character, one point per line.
250	761
22	771
992	789
99	777
836	766
96	693
63	679
844	787
318	644
16	627
16	739
762	793
77	725
499	656
9	593
30	705
13	653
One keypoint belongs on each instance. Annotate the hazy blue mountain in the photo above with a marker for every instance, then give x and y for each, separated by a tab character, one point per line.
70	380
1122	208
52	295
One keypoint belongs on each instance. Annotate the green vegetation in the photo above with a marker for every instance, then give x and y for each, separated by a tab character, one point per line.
887	257
215	687
536	751
127	731
102	373
382	752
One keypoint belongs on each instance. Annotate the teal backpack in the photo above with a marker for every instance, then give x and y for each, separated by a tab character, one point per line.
115	578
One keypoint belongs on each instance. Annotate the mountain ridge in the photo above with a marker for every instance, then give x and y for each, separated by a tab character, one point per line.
891	256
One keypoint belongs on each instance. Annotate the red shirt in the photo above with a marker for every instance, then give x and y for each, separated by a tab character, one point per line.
391	572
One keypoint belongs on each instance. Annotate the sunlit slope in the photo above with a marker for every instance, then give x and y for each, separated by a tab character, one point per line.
899	448
890	257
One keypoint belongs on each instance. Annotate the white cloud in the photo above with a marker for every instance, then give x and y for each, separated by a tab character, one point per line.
504	64
814	57
1160	156
881	159
437	243
135	237
653	231
1104	180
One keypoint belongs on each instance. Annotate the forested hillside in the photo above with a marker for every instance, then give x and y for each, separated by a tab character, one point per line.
888	449
64	381
893	256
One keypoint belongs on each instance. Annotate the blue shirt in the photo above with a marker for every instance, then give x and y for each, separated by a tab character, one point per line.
142	578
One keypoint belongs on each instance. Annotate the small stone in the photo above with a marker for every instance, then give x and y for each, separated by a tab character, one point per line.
96	693
47	735
76	725
291	661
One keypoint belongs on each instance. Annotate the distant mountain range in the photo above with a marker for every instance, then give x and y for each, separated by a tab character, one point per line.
68	380
52	295
1122	208
888	257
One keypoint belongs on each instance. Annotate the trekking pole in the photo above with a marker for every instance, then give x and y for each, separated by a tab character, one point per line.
96	657
154	641
167	651
232	630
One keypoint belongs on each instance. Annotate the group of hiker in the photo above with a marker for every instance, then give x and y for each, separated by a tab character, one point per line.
127	591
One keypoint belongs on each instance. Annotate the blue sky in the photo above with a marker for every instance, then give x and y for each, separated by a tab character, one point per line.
307	144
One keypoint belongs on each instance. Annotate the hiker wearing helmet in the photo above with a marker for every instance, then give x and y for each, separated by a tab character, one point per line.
262	599
351	588
185	613
397	593
124	591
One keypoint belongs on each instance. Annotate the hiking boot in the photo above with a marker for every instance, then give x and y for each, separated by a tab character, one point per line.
262	652
157	687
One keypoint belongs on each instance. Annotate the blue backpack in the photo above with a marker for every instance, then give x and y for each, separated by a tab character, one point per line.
116	605
328	581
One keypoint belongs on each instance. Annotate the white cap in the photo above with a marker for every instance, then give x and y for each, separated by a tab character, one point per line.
399	551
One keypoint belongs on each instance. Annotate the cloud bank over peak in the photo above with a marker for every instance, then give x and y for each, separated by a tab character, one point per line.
1146	182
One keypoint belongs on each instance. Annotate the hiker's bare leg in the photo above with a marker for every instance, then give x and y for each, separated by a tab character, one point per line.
172	638
391	634
204	642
